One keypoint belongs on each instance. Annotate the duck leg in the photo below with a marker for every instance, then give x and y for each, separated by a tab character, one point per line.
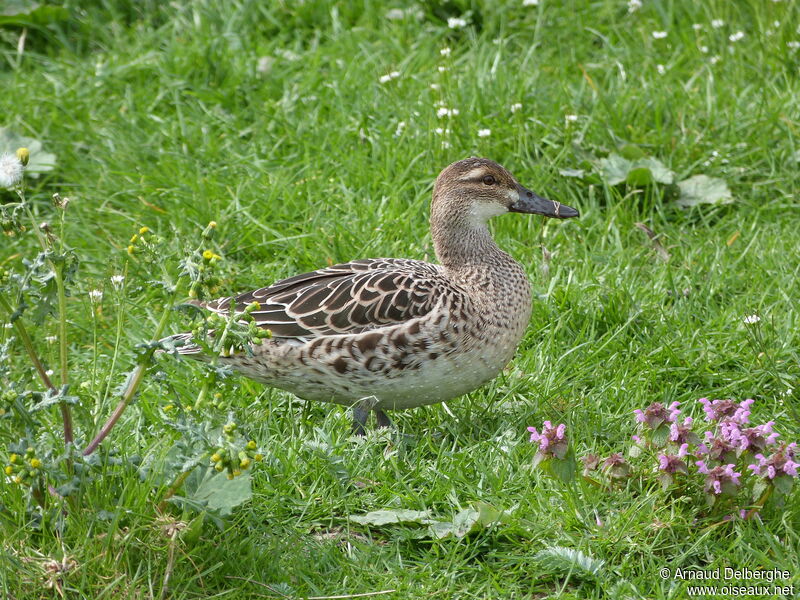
360	416
381	418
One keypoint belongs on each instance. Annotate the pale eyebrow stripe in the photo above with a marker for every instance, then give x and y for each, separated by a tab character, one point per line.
473	174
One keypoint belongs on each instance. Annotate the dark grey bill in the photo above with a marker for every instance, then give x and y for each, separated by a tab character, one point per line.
532	203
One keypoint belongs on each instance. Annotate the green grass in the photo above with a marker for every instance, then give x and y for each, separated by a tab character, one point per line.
160	116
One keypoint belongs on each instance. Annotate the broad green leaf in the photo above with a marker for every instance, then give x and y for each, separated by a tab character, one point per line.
783	484
221	494
191	533
39	162
563	469
616	169
26	12
631	152
393	516
639	177
702	189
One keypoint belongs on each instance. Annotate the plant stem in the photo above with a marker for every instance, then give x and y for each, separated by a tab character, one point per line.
135	379
176	485
217	349
66	414
28	345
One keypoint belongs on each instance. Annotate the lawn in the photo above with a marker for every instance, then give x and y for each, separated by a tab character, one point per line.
310	133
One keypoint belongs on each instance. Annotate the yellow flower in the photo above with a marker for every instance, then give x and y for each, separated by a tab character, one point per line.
144	230
208	255
23	154
131	250
13	458
212	224
35	463
9	470
134	238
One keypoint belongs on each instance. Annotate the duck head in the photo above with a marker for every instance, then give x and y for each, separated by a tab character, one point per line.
477	189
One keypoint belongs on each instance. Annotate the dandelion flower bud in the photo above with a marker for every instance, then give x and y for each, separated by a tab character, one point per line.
24	155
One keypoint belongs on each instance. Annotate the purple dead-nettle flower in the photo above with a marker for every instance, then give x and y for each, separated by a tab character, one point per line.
781	462
717	448
656	414
682	433
616	467
721	479
590	463
671	463
552	441
749	438
717	410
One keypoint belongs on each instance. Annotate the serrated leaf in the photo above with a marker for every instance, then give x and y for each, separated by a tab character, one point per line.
783	484
379	518
39	161
563	561
53	397
660	435
702	189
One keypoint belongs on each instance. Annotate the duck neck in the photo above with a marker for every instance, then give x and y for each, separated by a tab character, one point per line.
465	246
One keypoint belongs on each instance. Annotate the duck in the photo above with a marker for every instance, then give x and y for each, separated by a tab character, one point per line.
384	334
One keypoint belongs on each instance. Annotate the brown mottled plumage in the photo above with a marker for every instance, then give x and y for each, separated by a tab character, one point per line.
391	333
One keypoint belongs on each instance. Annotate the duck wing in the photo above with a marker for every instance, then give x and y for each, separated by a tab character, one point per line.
346	298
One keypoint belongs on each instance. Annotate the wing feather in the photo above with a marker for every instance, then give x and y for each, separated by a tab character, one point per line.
346	298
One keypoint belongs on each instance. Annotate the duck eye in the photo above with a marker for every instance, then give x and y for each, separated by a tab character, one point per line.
489	180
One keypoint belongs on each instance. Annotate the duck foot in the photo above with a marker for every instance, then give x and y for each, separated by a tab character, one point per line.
381	419
360	416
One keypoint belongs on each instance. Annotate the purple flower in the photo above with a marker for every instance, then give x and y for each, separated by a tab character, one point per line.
670	463
682	434
552	441
616	467
721	479
590	463
720	409
749	438
717	448
781	462
656	414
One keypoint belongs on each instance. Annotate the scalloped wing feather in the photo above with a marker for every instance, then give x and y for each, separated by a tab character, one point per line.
346	298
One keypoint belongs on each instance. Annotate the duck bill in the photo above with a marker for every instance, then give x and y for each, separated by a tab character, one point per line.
534	204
